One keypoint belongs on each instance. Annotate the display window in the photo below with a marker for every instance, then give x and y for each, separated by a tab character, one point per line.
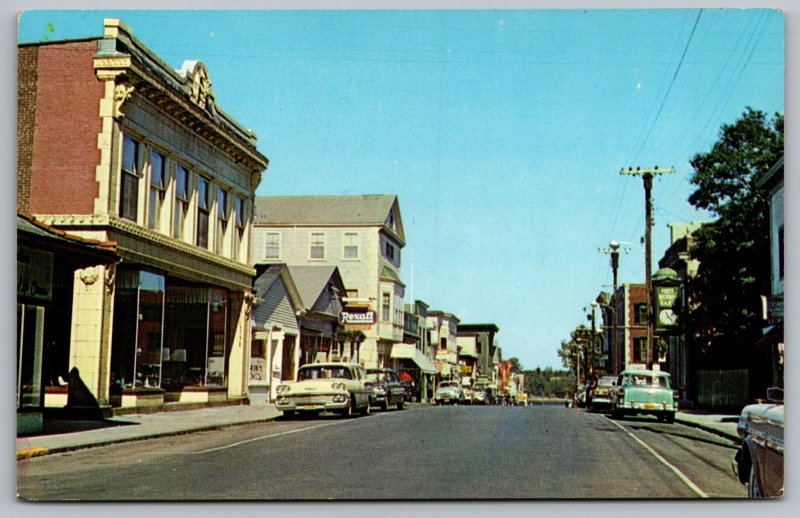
190	351
136	359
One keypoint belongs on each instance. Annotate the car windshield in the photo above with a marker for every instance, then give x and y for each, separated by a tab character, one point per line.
448	384
379	376
606	381
323	372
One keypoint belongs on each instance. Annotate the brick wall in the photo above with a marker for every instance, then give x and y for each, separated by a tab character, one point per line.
26	114
64	155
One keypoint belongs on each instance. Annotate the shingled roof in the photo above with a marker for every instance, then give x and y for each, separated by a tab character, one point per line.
361	210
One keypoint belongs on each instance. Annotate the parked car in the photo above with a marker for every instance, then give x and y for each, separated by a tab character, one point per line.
599	397
326	387
386	390
466	394
448	393
644	392
481	394
758	463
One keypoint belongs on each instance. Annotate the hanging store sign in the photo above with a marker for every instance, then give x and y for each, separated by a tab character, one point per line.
666	298
357	318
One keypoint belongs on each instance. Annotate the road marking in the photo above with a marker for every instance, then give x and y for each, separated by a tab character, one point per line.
254	439
686	480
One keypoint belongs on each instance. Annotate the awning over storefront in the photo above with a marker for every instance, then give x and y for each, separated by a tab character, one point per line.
409	352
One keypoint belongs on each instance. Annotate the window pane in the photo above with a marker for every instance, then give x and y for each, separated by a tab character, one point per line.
202	193
272	249
156	169
181	183
130	150
317	246
129	184
222	204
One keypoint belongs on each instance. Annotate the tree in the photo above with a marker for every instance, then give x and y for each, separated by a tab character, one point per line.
515	365
725	297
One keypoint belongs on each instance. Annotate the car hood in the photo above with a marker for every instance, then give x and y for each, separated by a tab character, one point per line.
310	386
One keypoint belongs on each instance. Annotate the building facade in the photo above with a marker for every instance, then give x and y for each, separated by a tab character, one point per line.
480	340
49	263
444	331
275	345
631	314
117	146
362	235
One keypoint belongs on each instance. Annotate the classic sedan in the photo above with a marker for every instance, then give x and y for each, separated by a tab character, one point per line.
449	392
644	392
387	390
600	394
758	463
326	387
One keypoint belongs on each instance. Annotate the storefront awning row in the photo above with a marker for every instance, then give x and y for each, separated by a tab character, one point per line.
409	352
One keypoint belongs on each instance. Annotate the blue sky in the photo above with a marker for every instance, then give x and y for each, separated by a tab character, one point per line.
502	131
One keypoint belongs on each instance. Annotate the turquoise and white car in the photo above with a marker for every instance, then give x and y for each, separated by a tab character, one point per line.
644	392
342	388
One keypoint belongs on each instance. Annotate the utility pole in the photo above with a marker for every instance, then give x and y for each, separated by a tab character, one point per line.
647	178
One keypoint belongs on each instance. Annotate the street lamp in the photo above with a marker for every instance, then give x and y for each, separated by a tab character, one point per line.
614	250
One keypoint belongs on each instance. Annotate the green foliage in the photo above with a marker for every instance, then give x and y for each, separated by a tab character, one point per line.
725	297
549	383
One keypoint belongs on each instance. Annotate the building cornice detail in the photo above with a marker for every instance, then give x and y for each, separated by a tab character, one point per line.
89	222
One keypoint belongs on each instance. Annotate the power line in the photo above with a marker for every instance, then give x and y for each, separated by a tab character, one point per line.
669	89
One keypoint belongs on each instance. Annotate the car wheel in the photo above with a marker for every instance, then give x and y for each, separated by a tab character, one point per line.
365	411
669	417
400	404
616	414
348	411
385	405
288	414
753	491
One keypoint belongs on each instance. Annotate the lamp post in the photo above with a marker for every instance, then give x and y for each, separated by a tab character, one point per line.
614	250
614	267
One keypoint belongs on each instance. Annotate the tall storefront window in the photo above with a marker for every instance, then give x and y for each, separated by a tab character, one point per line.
196	337
136	359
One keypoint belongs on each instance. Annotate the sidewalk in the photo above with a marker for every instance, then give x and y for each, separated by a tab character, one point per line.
720	424
66	435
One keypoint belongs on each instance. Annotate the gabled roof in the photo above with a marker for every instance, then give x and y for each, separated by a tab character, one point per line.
266	277
312	280
361	210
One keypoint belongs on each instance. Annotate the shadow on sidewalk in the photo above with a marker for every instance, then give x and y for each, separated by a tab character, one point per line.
56	426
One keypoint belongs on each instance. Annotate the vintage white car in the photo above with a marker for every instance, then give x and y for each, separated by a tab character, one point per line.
759	461
326	387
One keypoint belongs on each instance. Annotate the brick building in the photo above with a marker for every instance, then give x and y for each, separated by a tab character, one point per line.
116	146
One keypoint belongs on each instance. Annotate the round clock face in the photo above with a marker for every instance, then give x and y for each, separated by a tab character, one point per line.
667	316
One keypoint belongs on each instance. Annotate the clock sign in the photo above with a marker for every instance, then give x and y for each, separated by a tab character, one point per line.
667	317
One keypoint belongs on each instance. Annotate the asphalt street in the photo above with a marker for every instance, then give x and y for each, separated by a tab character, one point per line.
422	453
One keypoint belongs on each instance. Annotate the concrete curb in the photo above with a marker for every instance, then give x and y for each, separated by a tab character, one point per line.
29	453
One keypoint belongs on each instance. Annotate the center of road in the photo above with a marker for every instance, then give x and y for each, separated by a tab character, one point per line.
686	480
